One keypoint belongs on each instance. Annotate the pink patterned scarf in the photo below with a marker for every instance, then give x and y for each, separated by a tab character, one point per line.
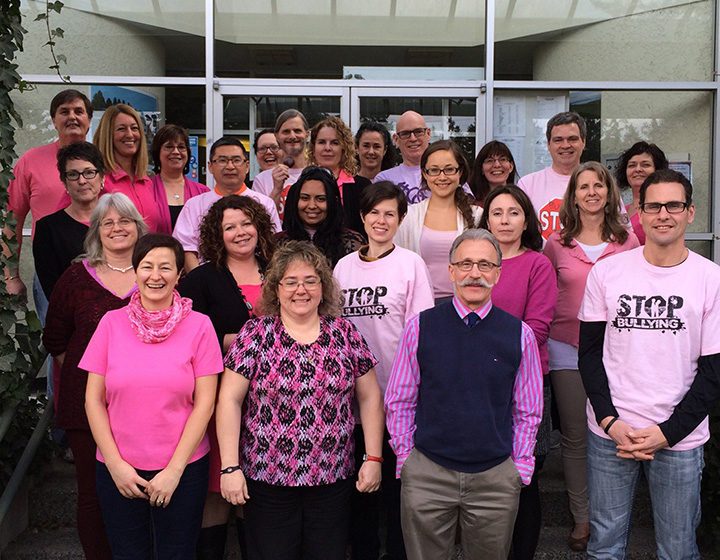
155	326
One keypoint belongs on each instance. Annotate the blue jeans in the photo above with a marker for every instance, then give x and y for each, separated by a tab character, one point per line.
41	307
138	531
674	480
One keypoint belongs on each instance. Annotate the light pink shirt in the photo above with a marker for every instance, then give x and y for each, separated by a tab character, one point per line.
546	189
660	320
149	388
572	266
434	250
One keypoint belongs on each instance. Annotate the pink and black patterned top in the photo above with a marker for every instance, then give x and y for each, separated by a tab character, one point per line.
298	424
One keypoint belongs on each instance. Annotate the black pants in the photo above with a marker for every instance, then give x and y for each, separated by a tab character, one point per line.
297	522
367	508
526	533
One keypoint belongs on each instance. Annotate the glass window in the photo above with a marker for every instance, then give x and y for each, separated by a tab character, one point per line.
680	123
128	38
582	40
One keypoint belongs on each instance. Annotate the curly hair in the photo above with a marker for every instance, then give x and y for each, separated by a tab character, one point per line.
348	161
462	201
212	248
613	226
531	237
328	236
103	139
642	147
303	251
477	182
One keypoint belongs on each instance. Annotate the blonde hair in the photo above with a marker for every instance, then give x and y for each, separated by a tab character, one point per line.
348	161
103	139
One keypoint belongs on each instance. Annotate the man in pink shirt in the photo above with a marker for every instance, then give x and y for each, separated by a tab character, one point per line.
463	405
566	134
649	358
37	187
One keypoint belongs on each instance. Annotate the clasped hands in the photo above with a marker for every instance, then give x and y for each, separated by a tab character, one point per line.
639	445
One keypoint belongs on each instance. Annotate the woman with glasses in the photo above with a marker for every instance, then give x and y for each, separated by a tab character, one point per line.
527	288
287	398
267	150
593	229
100	280
313	212
636	163
375	150
171	161
493	167
433	224
120	137
59	237
332	146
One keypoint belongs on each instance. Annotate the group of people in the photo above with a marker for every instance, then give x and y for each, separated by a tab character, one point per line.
342	337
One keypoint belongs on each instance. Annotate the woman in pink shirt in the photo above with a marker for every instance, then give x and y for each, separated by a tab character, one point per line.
120	137
152	375
593	229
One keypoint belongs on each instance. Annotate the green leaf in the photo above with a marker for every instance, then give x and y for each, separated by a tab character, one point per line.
61	58
40	17
59	32
57	6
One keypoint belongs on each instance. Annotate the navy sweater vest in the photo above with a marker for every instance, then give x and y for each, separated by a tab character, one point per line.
464	408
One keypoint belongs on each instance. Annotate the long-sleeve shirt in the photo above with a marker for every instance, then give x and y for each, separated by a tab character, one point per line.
402	394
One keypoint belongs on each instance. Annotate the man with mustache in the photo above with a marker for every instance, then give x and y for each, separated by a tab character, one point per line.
565	133
463	405
291	131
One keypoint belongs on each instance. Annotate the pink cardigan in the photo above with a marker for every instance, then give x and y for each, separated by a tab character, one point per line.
192	188
572	267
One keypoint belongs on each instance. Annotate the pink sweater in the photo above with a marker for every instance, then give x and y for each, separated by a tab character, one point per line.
527	288
572	267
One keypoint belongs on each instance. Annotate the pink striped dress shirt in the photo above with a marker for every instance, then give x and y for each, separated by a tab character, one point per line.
402	394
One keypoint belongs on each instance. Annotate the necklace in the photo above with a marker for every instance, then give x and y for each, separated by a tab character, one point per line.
176	196
117	268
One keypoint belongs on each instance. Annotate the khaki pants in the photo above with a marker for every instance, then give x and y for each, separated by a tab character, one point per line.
435	500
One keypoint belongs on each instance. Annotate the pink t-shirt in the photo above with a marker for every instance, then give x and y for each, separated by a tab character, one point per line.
187	227
149	387
637	228
546	189
380	296
660	320
527	288
434	250
37	187
142	194
572	267
263	183
252	293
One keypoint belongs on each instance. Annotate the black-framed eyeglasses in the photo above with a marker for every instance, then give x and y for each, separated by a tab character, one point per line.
222	160
672	207
418	132
75	175
263	149
483	266
447	171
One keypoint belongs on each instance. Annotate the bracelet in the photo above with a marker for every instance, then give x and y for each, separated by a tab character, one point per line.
367	457
609	425
230	469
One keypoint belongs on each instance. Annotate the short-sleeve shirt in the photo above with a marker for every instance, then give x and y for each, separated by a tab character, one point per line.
149	388
660	320
298	424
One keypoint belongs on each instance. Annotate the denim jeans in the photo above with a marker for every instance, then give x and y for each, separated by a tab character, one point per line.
138	531
41	307
674	480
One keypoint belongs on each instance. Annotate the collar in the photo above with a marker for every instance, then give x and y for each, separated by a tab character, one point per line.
239	191
463	310
344	178
363	254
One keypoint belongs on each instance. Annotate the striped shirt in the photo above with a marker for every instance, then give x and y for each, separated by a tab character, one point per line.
402	394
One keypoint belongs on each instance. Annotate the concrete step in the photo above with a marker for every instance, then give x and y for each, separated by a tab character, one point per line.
53	496
553	545
35	544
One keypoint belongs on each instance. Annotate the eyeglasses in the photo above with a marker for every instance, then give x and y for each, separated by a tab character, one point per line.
122	222
75	175
263	149
483	266
222	160
292	284
494	160
418	132
673	207
172	147
447	171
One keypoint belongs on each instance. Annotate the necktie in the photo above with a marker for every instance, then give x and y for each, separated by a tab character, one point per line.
472	319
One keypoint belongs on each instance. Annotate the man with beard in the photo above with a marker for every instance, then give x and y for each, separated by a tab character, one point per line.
463	405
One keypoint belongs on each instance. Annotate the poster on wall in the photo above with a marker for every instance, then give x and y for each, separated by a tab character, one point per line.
145	104
193	173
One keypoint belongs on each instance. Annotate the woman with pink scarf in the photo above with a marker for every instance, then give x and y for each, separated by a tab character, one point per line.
152	376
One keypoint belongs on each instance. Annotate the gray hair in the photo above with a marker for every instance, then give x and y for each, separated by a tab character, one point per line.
568	117
475	234
290	114
93	250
